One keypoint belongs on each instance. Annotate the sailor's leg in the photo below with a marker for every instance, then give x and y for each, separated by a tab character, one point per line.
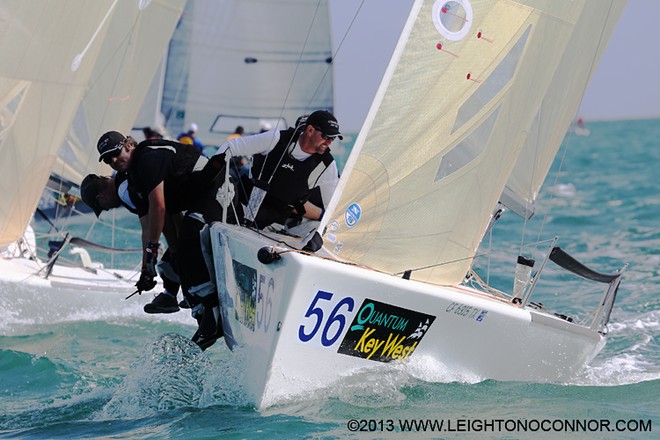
202	293
166	301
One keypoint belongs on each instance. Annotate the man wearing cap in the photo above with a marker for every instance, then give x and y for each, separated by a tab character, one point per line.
103	193
287	165
174	177
189	138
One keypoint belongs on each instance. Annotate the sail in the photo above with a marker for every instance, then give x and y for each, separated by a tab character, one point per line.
56	55
129	59
558	109
463	89
251	63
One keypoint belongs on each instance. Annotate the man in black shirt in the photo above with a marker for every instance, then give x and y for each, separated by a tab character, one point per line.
174	177
104	193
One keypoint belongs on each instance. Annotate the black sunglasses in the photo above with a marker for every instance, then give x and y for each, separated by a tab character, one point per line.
107	159
323	135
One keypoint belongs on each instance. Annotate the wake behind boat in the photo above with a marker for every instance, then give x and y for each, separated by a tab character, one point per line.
465	125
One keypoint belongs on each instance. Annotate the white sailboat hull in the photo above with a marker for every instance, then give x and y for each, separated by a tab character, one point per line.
68	292
31	273
303	322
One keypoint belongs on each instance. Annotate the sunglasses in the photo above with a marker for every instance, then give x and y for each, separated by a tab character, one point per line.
325	136
107	159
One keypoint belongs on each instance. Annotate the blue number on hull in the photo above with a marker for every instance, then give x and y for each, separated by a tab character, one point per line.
336	319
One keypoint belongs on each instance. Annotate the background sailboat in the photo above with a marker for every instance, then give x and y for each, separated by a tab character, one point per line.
79	69
130	43
250	63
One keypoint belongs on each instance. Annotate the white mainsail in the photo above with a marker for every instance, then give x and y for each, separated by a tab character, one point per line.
250	63
72	69
129	60
466	86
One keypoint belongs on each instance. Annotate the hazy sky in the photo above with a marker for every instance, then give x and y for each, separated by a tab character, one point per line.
623	86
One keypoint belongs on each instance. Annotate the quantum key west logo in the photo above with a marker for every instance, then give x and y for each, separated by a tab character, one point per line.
383	332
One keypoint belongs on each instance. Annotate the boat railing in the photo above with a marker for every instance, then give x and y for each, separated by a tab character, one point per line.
533	281
602	313
67	241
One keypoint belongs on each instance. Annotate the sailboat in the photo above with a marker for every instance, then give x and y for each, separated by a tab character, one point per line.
466	122
77	69
254	64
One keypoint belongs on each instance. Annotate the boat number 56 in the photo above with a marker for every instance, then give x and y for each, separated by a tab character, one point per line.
265	301
317	317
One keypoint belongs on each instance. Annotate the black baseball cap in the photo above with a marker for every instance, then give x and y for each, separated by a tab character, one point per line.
326	122
89	189
109	142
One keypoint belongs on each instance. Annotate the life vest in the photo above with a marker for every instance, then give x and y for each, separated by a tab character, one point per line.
290	178
191	181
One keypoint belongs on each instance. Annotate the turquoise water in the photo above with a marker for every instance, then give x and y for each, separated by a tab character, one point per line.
118	373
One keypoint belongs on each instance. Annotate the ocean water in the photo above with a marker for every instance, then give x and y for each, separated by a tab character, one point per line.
115	372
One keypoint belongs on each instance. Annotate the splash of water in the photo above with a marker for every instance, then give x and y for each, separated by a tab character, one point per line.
169	374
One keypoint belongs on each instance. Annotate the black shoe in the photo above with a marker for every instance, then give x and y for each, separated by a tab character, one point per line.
209	330
162	303
184	304
206	342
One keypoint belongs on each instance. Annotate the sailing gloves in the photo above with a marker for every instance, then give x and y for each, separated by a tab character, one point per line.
146	281
299	207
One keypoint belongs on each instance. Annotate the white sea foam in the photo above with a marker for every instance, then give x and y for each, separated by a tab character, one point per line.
564	190
648	322
631	355
622	369
171	373
377	385
25	306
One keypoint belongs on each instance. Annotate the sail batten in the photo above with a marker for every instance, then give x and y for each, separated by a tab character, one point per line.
440	143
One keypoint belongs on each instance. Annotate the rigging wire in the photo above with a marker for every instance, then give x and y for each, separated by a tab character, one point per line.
318	87
334	55
286	98
472	257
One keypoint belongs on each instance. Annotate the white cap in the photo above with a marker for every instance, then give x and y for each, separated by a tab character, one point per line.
193	127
